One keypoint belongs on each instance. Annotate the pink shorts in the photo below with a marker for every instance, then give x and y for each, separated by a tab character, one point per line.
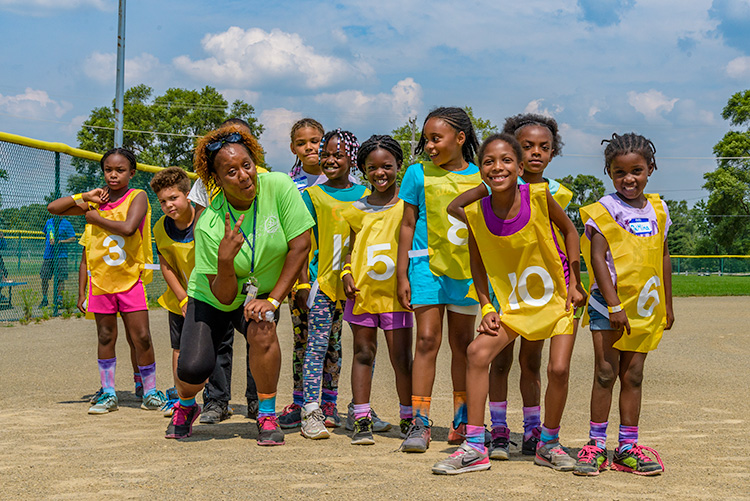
133	299
386	321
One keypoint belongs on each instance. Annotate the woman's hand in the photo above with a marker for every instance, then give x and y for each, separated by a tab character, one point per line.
256	310
490	324
349	288
232	242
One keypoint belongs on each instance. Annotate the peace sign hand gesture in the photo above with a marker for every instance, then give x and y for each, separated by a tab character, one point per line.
231	244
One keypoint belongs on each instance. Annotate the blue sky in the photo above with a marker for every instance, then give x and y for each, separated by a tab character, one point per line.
663	68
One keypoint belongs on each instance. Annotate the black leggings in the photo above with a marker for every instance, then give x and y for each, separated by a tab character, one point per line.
204	329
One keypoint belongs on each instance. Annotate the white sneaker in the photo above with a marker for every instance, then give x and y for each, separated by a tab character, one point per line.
314	424
106	403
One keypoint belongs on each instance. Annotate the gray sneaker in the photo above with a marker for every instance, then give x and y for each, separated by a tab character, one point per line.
362	434
417	438
464	460
214	412
107	402
154	401
378	425
553	456
314	425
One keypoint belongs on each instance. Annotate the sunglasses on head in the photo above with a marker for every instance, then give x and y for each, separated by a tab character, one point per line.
234	137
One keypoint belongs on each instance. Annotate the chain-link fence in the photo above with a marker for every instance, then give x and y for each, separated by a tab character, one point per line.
39	253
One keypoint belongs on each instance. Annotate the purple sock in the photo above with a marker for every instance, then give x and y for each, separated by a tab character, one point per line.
498	414
405	411
148	375
329	396
549	436
598	433
361	410
297	398
531	420
475	438
628	437
107	374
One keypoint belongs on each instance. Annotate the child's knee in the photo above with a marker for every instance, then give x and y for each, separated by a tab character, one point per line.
633	378
558	372
530	363
365	354
106	335
478	356
428	343
604	376
261	338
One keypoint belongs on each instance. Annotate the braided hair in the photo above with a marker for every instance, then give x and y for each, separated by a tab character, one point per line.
375	142
508	139
301	124
129	156
628	143
460	121
513	125
351	146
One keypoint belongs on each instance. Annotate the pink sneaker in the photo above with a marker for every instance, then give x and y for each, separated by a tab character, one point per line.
269	431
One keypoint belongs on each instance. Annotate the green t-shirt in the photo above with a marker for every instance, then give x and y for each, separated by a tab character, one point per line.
282	216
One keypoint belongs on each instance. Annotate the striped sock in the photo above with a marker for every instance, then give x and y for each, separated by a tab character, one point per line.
107	374
549	436
187	402
628	437
475	438
498	414
421	406
148	375
459	408
266	405
329	396
531	420
405	411
361	410
598	433
297	398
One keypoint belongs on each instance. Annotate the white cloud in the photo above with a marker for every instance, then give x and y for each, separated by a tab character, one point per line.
651	104
102	67
34	104
535	106
275	139
254	57
58	4
404	101
739	67
248	96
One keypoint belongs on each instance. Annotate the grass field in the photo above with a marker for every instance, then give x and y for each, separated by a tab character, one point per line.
712	285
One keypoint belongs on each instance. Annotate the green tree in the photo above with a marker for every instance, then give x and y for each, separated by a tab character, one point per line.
586	190
727	210
685	231
179	116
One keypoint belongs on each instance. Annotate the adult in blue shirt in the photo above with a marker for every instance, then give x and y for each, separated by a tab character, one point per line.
55	255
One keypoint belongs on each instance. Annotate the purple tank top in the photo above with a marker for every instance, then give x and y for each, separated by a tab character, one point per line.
505	227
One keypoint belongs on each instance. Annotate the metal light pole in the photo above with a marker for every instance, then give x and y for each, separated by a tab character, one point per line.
120	83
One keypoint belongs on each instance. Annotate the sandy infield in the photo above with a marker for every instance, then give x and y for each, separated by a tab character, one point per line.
695	413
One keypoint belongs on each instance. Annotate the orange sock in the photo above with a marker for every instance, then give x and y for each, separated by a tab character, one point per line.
421	407
459	408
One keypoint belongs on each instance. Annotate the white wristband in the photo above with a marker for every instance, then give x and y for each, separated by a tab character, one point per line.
614	309
274	302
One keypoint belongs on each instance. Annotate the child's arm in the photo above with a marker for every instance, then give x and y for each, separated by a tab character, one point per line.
302	295
668	286
576	294
456	207
405	239
599	248
170	276
490	323
349	288
136	213
69	206
82	281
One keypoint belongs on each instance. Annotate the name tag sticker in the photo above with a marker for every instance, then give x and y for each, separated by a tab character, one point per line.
640	226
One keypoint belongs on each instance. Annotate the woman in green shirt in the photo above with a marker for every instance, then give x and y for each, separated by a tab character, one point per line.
250	245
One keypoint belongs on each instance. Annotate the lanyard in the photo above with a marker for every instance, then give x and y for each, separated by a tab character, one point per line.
255	218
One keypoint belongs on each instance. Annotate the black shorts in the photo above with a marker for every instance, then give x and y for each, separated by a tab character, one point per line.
175	329
48	269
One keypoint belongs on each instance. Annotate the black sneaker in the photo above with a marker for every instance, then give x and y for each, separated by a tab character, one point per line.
528	448
252	409
362	434
214	412
181	424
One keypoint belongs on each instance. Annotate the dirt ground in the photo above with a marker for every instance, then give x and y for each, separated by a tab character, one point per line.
695	413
